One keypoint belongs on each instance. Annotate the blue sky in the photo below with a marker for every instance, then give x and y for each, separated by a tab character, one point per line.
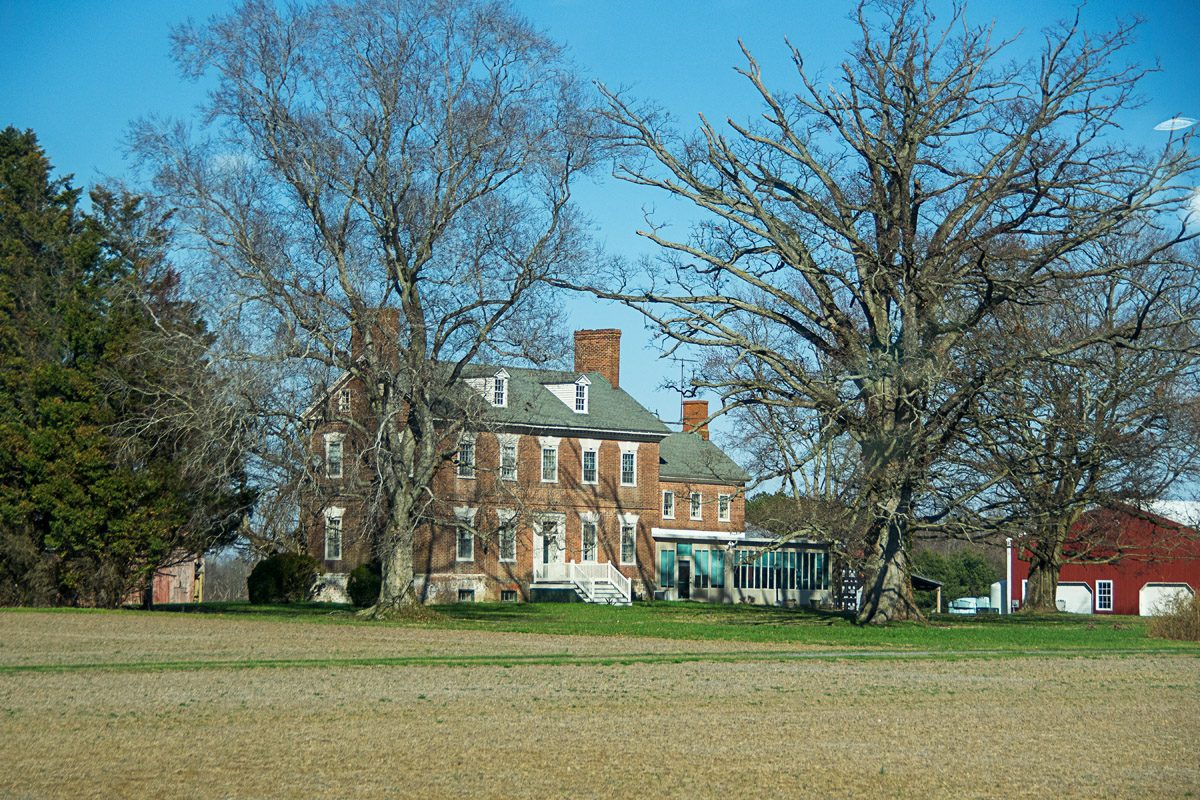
78	71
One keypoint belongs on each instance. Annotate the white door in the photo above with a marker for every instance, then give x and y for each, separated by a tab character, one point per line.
1158	598
1074	598
549	550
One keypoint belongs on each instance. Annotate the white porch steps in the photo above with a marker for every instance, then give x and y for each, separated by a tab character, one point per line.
593	583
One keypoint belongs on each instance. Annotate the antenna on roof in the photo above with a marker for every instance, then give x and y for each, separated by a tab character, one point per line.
685	393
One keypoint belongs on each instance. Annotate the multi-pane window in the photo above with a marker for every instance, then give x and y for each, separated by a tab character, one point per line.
716	569
696	506
666	569
333	456
589	540
333	536
723	507
628	542
343	401
589	466
549	464
508	540
668	505
581	398
466	458
789	569
508	460
1104	595
628	469
710	569
500	390
466	544
700	579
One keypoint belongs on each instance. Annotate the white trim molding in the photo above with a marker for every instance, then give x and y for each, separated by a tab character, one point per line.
506	517
335	513
626	521
505	441
464	514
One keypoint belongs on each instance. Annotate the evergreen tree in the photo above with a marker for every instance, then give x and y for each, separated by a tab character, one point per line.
84	516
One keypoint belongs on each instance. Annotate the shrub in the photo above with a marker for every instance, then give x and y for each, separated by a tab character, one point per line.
282	578
1181	621
364	583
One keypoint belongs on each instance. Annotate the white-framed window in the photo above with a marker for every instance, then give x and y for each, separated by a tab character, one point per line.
696	509
333	533
507	535
549	459
589	536
333	454
590	468
628	524
466	457
1104	595
1024	590
629	463
724	503
466	545
500	389
581	394
465	534
508	457
343	401
668	505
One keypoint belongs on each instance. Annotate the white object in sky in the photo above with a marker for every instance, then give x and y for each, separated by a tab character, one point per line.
1175	124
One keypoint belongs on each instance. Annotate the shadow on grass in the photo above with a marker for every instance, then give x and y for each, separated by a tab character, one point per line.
305	609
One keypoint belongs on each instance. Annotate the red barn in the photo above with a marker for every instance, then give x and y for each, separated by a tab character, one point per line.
1135	561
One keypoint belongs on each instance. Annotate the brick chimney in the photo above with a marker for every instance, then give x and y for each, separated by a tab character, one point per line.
384	324
599	351
695	412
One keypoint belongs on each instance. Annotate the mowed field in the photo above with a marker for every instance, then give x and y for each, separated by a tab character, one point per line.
135	704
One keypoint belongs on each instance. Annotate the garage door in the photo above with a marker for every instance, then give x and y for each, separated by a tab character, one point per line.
1074	598
1156	598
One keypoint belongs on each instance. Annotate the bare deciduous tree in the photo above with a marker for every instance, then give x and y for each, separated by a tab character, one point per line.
858	238
370	170
1111	421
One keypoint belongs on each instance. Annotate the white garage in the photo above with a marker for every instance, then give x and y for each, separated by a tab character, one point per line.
1157	598
1074	598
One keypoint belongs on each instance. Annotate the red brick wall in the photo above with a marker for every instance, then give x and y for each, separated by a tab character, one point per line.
708	506
435	551
599	351
695	412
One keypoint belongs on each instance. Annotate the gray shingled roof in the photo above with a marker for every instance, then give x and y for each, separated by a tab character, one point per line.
531	404
689	456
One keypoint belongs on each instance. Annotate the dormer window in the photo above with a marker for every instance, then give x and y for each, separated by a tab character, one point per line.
581	395
500	389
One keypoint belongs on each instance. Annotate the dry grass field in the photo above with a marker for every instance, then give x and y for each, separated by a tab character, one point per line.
593	717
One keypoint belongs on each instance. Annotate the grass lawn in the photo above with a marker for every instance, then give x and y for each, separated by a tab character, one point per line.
526	701
758	625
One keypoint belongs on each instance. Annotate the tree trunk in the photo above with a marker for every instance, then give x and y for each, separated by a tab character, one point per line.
1041	592
887	590
396	573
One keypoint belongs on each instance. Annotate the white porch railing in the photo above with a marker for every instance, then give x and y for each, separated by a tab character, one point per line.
552	573
585	576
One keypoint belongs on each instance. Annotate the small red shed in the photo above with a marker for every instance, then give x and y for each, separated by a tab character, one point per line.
1140	560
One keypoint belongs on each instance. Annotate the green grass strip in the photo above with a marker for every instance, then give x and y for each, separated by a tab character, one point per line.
559	659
